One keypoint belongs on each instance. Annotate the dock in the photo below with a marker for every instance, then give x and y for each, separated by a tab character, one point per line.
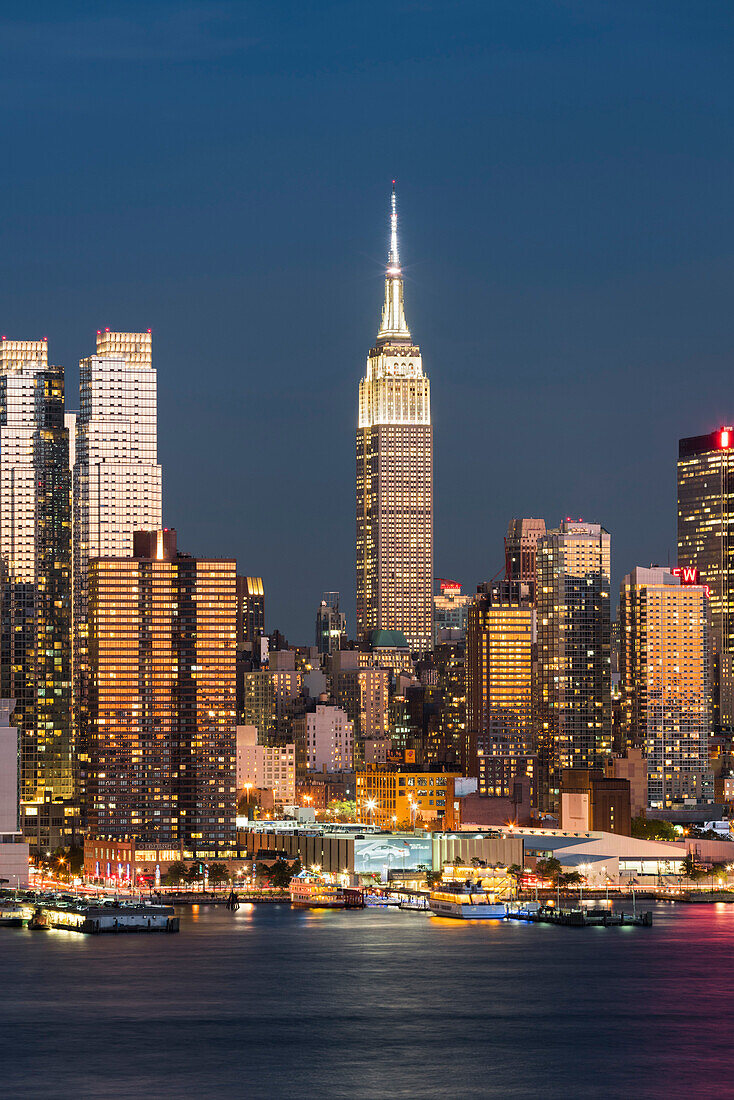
581	918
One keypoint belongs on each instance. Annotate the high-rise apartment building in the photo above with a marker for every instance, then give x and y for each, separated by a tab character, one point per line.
665	681
324	739
116	480
395	476
706	543
35	568
573	693
161	696
500	639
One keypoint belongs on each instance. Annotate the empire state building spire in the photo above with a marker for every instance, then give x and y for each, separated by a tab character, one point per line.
394	327
395	478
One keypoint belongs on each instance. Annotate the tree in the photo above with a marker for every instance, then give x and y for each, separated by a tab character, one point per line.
692	868
569	878
549	868
646	828
176	873
218	874
516	871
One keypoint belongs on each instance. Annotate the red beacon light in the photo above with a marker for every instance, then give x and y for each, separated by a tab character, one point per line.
725	437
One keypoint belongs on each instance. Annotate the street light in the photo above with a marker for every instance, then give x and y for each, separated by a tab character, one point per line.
371	804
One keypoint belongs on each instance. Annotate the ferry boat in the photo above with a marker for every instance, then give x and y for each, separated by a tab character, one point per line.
311	891
12	914
458	895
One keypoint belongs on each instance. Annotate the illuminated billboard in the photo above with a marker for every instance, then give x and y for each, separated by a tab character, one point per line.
380	854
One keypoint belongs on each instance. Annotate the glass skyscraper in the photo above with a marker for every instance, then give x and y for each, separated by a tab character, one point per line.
35	558
706	544
395	476
573	692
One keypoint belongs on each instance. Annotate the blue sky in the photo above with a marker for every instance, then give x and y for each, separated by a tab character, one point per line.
220	173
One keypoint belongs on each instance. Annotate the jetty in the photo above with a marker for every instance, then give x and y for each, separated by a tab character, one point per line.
580	918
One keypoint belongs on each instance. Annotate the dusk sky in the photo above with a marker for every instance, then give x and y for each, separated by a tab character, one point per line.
220	173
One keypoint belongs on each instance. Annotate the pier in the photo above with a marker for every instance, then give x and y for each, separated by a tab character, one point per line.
581	918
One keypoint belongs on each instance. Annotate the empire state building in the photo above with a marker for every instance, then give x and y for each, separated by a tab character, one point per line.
395	476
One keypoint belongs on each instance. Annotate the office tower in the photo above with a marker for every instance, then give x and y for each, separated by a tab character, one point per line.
250	612
706	543
521	547
35	565
116	479
450	611
395	476
573	695
500	639
331	624
665	681
161	696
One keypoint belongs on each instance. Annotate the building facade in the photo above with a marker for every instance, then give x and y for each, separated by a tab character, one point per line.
35	568
706	543
521	549
161	696
250	612
331	624
265	767
116	479
395	476
665	671
450	612
573	691
324	740
500	642
405	799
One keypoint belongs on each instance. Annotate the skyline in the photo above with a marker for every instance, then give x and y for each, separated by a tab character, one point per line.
567	260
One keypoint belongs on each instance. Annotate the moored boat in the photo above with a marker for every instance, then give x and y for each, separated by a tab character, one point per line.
459	896
310	890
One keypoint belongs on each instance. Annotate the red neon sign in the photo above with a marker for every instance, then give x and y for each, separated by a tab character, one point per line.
450	588
725	438
689	575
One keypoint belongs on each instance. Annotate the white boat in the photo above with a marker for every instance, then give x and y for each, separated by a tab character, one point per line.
12	914
466	901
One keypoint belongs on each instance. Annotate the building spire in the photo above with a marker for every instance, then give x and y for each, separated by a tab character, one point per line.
394	327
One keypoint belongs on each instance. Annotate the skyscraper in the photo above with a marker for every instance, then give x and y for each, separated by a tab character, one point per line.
250	612
117	479
161	696
331	624
573	695
35	560
521	549
664	664
706	543
395	476
500	637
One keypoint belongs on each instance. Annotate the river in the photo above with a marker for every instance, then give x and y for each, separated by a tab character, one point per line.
274	1002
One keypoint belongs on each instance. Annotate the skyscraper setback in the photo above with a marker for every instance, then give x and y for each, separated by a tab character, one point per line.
395	476
35	548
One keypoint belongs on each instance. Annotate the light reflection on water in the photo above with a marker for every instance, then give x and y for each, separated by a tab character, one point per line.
274	1002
